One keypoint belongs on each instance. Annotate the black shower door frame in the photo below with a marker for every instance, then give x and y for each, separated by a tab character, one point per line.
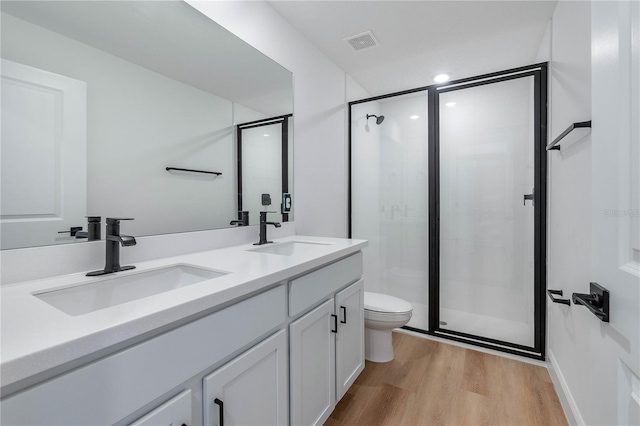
539	73
283	120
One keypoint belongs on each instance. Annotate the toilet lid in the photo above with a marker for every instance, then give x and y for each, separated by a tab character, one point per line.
385	303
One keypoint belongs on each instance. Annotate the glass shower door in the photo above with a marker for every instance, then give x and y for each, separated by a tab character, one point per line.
486	240
389	198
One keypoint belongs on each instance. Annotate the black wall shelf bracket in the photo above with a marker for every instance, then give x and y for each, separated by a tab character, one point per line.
192	171
550	293
597	301
555	145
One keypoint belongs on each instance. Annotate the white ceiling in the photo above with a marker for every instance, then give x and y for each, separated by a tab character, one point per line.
418	39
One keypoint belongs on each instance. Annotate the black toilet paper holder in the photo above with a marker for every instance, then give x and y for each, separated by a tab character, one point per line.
597	301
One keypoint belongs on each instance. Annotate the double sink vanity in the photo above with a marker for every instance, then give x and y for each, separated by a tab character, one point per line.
269	334
272	334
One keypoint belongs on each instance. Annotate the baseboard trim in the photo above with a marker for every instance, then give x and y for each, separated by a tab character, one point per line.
569	405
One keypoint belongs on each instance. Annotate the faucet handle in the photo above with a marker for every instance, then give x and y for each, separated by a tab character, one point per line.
116	220
73	230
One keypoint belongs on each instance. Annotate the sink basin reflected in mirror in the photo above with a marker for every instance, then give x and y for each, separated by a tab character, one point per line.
115	290
289	248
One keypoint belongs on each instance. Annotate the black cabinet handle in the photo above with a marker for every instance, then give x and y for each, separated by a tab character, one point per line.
344	315
221	412
335	323
550	293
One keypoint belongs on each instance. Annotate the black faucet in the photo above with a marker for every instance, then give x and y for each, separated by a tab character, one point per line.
243	219
93	225
263	228
114	239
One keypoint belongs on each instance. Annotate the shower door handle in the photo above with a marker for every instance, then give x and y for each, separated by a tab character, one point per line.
529	197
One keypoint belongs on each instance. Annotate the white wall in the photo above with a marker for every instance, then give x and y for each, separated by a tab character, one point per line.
569	217
243	114
138	123
354	91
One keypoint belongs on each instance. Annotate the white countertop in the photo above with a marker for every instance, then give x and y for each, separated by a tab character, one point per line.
37	337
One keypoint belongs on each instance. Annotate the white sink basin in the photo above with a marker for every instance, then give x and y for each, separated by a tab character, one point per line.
113	289
289	248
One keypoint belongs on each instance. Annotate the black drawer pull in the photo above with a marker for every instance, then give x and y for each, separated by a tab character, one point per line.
344	315
335	323
221	412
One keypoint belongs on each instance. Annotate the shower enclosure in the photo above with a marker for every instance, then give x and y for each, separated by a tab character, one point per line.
264	165
450	191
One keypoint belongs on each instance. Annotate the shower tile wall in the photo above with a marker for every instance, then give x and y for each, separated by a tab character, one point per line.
390	198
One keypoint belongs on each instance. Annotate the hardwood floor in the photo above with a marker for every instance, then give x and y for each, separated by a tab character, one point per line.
433	383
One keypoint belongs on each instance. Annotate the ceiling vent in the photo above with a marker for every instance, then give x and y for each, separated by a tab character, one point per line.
362	41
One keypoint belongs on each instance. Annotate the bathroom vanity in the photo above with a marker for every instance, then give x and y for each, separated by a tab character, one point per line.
252	335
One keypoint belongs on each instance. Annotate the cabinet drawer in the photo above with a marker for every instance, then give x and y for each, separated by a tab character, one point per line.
310	289
112	388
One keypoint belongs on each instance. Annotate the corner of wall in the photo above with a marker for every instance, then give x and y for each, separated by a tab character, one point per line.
569	192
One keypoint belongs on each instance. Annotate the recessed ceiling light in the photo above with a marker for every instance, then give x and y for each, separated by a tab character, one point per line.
450	104
442	77
266	135
414	117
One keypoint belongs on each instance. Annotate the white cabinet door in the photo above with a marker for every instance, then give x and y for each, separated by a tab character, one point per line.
43	144
175	412
312	346
251	389
350	336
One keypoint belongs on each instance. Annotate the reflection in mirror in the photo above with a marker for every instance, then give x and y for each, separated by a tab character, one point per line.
99	98
265	155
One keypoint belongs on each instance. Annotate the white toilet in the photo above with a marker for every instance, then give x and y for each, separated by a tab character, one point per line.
382	313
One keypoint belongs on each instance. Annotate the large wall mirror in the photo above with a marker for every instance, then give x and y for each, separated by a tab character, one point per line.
99	98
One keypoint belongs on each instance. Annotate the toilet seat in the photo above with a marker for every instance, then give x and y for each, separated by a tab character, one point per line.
387	316
382	304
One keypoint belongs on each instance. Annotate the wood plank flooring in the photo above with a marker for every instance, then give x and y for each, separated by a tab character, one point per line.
433	383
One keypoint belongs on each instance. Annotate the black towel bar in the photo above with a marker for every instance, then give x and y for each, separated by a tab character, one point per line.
556	142
192	171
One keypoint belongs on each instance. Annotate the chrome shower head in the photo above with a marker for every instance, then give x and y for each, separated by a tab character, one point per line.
379	118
